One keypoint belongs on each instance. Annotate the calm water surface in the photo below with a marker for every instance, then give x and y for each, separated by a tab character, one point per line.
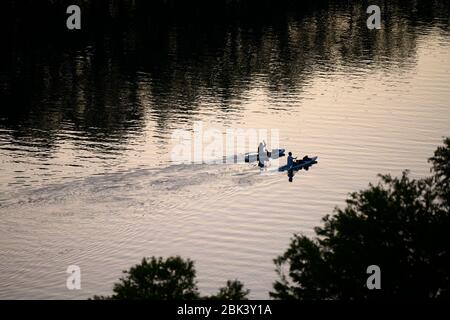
86	177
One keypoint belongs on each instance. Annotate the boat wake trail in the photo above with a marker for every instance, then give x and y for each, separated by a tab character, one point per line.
134	188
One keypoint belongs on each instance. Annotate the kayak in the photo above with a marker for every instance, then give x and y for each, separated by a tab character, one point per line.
299	165
274	154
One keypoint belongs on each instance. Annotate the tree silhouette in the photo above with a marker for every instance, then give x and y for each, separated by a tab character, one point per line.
441	170
156	278
234	290
170	279
401	224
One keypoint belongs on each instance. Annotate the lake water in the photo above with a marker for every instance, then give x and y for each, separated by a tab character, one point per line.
86	176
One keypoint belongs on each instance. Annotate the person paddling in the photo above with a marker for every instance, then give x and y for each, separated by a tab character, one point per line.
290	160
262	154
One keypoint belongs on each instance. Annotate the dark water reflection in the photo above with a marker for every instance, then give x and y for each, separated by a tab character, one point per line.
90	82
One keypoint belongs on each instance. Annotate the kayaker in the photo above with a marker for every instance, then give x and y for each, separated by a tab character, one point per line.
262	154
290	160
262	148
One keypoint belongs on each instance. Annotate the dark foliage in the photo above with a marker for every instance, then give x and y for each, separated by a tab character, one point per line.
170	279
234	290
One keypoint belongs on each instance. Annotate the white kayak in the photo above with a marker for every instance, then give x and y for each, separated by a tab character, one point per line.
274	154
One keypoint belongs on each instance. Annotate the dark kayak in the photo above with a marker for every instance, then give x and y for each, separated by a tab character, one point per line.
299	165
276	153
